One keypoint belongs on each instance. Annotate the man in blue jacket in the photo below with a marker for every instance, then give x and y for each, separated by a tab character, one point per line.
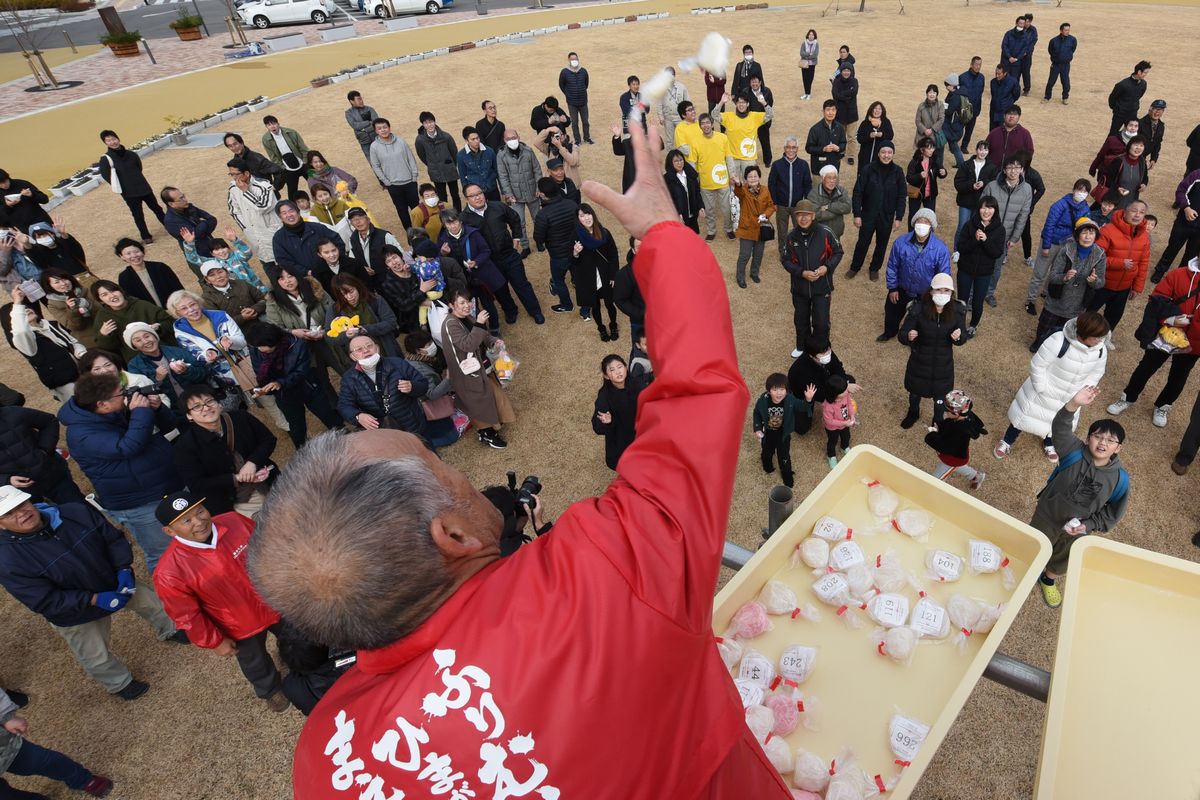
477	165
1062	52
573	83
131	467
972	83
790	182
1031	40
914	260
1015	50
68	564
182	214
1059	228
295	244
1006	91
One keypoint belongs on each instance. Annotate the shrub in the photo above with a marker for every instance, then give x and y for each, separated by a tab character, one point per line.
187	21
128	37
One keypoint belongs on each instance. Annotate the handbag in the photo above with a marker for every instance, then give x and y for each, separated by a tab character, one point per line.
438	311
913	191
442	408
766	232
469	365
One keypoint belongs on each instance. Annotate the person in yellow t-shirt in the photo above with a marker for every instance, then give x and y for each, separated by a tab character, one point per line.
741	126
688	129
713	159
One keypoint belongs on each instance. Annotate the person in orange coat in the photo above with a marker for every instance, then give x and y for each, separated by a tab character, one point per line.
1126	244
202	582
465	673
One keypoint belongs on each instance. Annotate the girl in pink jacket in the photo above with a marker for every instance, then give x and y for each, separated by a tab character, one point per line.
839	413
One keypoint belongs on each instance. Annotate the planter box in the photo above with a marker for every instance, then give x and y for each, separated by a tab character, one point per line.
160	143
317	83
61	191
178	139
188	34
442	51
80	188
191	130
284	41
339	78
142	152
125	49
224	115
259	106
400	23
337	34
374	68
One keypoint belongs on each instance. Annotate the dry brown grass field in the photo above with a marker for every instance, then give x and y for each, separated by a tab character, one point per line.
199	733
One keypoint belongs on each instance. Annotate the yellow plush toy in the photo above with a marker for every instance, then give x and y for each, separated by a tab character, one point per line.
341	324
347	197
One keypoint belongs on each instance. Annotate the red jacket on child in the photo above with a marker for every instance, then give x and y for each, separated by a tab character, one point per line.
204	588
584	665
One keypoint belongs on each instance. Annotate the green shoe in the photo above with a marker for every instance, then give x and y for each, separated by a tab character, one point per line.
832	461
1051	595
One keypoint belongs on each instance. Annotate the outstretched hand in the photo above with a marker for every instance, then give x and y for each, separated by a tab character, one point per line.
647	202
1084	397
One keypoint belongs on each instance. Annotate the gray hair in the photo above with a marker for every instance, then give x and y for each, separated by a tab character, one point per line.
176	296
343	548
791	140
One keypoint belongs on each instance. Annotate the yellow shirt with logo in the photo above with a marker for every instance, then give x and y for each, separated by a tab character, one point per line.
687	133
708	156
743	133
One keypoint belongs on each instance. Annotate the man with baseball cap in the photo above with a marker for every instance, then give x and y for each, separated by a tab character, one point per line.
68	564
204	587
810	255
1152	128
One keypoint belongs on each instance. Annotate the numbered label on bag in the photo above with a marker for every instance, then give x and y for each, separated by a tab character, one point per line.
946	566
757	669
751	693
889	610
831	588
906	736
929	619
846	555
985	556
797	662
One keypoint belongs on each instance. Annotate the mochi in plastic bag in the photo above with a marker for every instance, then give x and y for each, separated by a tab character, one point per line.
964	615
943	566
750	620
797	662
889	574
779	598
813	552
787	713
806	706
889	610
756	667
898	644
752	693
849	781
905	736
881	500
844	555
760	720
913	522
930	619
810	772
859	579
779	754
988	616
832	529
730	650
833	590
985	558
804	794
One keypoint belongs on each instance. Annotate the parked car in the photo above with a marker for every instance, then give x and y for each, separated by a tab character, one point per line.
265	13
383	8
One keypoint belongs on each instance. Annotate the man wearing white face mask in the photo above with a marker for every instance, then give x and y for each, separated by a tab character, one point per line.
1058	230
573	83
519	171
913	262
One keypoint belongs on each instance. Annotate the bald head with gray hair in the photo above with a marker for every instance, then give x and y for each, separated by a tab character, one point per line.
364	536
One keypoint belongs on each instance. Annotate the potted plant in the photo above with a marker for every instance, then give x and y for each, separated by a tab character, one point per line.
178	137
123	44
319	81
187	26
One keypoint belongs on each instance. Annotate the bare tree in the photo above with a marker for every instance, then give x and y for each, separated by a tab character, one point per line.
29	37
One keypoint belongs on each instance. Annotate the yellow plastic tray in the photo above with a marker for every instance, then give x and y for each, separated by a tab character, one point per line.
858	689
1123	701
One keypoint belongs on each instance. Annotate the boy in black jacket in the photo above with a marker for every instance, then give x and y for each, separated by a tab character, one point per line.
951	439
774	416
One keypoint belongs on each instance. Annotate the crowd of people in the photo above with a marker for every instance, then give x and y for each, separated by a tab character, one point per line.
309	304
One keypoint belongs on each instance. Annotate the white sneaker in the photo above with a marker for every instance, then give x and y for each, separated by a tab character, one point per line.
954	258
1109	344
796	353
977	481
1160	415
1029	262
1002	449
1119	406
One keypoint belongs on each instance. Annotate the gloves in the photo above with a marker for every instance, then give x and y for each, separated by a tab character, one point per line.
125	582
111	601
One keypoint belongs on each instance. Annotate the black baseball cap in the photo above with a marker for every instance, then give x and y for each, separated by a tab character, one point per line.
174	506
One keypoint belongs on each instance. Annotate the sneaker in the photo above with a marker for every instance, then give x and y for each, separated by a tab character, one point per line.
613	331
710	237
1025	93
908	421
604	335
148	240
851	274
1066	102
977	481
991	300
134	690
971	331
589	141
178	637
1045	99
1051	453
525	251
1029	261
1119	406
1051	594
1109	344
1176	467
1001	450
873	275
510	319
586	316
561	309
832	461
797	353
278	701
1031	309
98	786
954	258
1160	415
883	337
730	235
492	439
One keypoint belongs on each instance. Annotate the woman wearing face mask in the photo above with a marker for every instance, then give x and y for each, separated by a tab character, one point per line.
1066	362
812	370
980	243
114	310
922	177
616	408
594	265
1078	270
465	341
48	347
352	298
932	329
683	183
67	303
757	210
810	50
51	247
1127	176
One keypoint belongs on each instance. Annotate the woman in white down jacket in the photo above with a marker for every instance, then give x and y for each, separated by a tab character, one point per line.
1066	362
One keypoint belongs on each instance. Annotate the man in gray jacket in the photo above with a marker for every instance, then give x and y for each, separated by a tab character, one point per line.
361	118
437	150
519	172
396	167
1087	492
1015	198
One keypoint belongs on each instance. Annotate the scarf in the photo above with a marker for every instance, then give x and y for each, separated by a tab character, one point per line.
588	241
272	363
298	228
366	315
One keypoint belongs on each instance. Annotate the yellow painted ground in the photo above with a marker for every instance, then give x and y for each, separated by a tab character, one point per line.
13	65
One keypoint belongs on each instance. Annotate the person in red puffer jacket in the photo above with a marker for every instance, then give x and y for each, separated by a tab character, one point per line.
584	665
1179	295
204	588
1126	244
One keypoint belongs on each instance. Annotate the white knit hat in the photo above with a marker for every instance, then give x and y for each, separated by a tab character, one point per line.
135	327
